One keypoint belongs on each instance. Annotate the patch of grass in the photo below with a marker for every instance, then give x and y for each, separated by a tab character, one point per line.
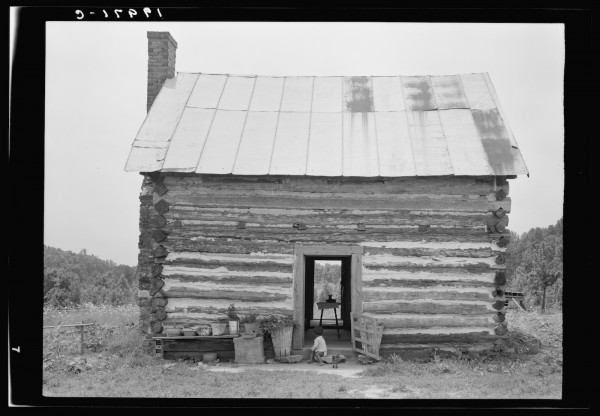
121	368
100	314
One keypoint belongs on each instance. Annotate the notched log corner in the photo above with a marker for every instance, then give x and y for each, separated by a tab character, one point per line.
160	251
500	194
500	278
160	314
160	188
159	235
498	305
156	326
159	221
161	206
503	241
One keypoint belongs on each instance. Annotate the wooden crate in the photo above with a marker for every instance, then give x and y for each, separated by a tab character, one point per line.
366	335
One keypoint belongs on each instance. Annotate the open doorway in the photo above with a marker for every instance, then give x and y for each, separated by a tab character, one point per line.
328	282
350	258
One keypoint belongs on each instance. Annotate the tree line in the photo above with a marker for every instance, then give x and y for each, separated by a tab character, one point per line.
71	279
535	265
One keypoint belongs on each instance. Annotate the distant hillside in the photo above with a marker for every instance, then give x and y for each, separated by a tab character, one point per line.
74	278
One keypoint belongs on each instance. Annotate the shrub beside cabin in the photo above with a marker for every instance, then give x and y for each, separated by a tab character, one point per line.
248	180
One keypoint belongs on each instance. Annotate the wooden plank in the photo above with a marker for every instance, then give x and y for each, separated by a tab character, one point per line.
452	185
320	236
434	320
468	338
374	294
335	201
324	250
356	283
197	293
428	307
195	215
255	279
298	295
255	268
198	345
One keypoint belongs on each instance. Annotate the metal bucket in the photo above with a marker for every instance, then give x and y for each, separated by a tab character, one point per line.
282	341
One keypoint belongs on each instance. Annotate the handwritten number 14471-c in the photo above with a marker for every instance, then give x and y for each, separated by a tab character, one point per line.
118	13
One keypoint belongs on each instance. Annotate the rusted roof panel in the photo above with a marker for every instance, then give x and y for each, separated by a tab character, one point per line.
495	140
327	126
222	143
360	145
429	144
448	92
358	94
325	144
418	93
464	145
291	144
256	146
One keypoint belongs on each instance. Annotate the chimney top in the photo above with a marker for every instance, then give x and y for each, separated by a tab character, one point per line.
162	35
161	63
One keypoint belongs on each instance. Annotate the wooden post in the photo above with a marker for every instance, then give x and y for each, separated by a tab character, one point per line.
81	330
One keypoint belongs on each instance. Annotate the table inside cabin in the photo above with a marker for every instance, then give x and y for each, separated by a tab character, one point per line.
329	305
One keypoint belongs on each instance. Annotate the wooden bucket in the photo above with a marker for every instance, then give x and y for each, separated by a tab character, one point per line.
282	341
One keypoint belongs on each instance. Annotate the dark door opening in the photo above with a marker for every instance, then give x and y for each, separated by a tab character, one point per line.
324	276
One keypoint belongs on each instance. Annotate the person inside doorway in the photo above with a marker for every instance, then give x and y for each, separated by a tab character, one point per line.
319	349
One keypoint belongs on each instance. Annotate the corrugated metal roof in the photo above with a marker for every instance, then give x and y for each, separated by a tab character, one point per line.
327	126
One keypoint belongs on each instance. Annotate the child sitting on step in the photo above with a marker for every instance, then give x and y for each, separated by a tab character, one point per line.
319	349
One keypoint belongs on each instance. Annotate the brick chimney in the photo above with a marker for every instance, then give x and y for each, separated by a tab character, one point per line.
161	62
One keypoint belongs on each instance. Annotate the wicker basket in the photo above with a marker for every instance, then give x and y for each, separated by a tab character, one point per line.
282	341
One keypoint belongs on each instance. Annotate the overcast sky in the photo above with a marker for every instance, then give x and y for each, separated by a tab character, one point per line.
96	102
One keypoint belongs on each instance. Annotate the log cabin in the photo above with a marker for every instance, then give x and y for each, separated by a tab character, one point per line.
248	180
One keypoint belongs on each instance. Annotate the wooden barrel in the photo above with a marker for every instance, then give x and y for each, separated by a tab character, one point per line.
282	341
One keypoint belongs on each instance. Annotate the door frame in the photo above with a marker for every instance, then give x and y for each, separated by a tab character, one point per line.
300	252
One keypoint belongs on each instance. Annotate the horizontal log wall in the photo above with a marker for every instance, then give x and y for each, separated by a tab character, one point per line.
433	249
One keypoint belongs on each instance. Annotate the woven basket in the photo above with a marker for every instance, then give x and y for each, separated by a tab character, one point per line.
282	341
